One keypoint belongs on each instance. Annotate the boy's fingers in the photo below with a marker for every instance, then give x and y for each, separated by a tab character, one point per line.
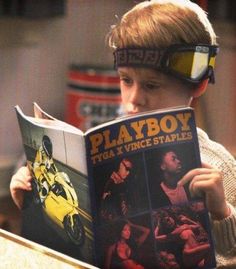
24	173
206	165
18	183
193	173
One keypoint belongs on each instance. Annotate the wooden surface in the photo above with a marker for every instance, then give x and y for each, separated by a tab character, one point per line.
17	252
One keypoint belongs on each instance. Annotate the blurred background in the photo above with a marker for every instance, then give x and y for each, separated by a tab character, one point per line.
46	45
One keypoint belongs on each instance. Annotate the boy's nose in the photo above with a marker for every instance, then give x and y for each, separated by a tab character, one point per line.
137	96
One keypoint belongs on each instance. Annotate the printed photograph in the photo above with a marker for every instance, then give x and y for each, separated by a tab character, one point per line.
165	167
58	203
120	187
127	244
54	190
182	237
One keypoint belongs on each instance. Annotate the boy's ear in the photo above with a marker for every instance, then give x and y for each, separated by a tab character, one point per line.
200	89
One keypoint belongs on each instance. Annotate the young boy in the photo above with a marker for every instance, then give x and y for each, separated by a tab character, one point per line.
164	52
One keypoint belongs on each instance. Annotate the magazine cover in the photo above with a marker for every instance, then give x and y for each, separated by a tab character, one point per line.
110	196
143	219
57	212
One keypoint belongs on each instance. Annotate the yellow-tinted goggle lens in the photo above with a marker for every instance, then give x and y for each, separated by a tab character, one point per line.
189	63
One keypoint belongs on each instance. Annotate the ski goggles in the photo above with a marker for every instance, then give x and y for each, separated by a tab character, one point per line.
192	63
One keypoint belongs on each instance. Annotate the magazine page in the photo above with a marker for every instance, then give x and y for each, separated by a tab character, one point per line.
41	114
57	211
44	118
143	218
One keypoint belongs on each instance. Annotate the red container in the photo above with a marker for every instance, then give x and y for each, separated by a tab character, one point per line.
93	96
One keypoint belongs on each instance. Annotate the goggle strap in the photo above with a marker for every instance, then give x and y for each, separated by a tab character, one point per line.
138	57
211	75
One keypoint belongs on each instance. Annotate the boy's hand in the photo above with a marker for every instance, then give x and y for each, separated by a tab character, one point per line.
20	182
208	181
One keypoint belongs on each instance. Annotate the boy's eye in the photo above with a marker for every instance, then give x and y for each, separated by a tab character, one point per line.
151	86
126	80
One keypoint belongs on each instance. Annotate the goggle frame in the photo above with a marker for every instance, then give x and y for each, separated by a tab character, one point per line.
158	58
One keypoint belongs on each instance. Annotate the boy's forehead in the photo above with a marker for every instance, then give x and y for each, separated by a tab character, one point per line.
139	71
148	74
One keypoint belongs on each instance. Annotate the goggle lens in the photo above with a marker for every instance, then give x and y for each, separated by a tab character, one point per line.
189	64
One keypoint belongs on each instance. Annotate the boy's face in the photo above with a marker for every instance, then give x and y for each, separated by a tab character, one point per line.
144	89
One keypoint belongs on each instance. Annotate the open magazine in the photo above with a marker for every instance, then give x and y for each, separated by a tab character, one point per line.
110	197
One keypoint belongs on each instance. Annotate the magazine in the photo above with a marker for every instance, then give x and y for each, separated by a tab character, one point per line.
109	196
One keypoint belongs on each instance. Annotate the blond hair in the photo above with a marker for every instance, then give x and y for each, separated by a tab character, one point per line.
161	23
